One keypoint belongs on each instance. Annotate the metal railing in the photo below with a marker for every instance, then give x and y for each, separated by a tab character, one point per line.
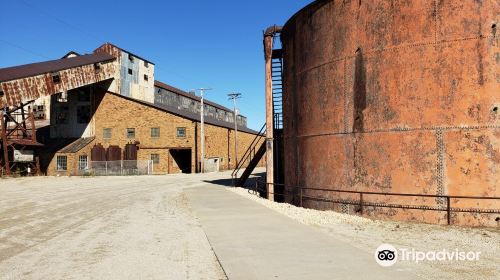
117	168
249	153
298	194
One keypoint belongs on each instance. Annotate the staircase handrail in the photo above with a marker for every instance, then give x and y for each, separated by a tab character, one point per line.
248	153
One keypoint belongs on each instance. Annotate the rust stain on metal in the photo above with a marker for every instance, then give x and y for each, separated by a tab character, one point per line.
395	96
33	87
359	92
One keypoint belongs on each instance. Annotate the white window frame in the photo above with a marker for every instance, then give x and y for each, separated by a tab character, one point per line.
59	163
104	133
177	132
155	129
152	160
127	132
80	161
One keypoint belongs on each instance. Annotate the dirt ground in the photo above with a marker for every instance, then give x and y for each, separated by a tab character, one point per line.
102	228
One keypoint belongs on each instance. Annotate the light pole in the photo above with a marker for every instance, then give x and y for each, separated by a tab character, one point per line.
202	120
234	96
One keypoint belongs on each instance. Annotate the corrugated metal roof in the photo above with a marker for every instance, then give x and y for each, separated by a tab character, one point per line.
77	145
24	142
34	69
123	50
191	96
188	115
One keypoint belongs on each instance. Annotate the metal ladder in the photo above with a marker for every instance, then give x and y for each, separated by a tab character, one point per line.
277	78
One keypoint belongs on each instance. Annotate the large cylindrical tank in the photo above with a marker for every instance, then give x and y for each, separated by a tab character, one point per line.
396	97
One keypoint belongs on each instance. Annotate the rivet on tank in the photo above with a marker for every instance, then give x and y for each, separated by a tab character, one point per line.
390	110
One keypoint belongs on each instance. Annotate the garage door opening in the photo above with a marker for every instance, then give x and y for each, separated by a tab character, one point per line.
181	160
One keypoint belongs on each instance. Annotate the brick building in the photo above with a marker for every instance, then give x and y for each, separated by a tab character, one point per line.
169	137
125	116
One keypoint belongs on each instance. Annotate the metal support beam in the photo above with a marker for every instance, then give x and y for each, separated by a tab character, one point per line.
268	55
18	132
6	161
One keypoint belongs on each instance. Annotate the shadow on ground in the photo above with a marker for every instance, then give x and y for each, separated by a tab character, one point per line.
249	184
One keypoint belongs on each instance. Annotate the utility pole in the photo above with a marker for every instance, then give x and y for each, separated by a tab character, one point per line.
202	119
234	96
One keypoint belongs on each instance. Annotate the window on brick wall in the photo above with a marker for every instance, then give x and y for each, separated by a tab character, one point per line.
181	132
155	132
130	133
62	163
106	133
155	158
83	162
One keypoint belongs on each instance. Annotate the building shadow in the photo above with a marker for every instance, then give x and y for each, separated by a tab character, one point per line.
250	184
53	144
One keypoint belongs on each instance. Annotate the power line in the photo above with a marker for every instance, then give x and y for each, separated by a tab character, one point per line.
61	21
24	49
90	35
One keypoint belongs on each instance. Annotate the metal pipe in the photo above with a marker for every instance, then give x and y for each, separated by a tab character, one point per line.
448	210
361	204
268	56
202	119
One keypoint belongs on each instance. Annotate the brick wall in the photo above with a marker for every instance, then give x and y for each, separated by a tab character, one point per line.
119	113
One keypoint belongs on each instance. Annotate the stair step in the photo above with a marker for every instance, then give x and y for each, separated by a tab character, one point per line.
251	166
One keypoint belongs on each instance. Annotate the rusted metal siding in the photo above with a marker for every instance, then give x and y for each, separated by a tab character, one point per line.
31	88
116	53
131	85
191	104
395	96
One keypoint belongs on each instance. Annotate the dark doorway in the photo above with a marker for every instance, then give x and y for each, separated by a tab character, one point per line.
181	160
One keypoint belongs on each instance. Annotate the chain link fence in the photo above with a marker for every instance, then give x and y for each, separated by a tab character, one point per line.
117	168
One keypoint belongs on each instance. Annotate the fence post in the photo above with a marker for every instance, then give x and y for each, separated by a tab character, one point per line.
106	168
300	196
361	203
121	167
448	209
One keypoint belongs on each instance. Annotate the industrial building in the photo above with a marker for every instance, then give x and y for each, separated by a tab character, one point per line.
108	115
387	109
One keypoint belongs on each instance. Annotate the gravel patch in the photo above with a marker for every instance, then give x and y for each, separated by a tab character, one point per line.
368	234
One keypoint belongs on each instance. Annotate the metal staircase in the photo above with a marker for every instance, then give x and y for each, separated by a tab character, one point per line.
277	78
251	158
272	139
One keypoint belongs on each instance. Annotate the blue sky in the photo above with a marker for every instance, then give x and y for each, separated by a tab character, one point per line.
194	43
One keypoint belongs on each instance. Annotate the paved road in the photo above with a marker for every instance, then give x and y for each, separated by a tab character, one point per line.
252	241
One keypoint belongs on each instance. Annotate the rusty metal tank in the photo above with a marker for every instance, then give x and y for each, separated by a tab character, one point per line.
395	97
